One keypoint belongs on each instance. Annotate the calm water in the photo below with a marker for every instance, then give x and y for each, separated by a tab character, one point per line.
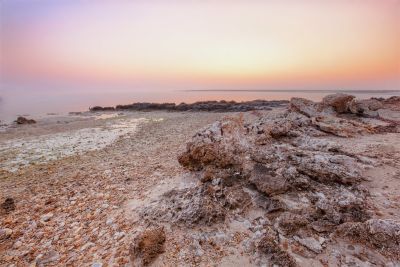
38	104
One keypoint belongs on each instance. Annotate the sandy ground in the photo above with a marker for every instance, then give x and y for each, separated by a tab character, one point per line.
78	181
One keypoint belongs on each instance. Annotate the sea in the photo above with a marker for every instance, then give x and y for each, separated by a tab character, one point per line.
41	104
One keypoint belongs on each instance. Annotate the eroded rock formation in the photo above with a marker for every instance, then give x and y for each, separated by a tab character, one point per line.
290	164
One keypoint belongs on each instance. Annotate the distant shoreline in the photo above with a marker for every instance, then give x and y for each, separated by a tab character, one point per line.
213	106
296	91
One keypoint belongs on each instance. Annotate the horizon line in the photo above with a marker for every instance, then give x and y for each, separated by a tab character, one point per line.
292	90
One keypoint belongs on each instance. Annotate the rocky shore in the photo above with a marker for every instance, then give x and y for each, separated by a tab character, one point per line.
304	184
294	167
216	106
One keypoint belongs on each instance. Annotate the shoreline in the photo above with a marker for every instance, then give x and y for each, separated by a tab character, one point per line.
215	106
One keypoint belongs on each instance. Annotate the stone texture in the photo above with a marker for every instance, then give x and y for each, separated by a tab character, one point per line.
381	234
146	246
340	102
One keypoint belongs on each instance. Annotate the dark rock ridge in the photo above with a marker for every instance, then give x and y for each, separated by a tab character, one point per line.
217	106
23	120
291	164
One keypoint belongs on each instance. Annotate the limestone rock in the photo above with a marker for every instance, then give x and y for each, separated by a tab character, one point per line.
382	234
339	102
341	127
192	206
268	180
305	107
310	243
365	107
146	246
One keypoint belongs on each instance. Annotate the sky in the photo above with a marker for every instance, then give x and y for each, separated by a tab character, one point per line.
166	45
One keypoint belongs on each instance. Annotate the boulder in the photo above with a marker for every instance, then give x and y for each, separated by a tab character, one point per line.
304	106
23	120
365	107
267	180
339	102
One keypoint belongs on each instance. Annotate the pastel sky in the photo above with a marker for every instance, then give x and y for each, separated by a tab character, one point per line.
351	44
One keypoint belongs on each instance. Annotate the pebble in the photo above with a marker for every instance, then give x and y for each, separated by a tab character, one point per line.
310	243
48	257
17	244
5	233
247	224
87	245
119	235
110	221
46	217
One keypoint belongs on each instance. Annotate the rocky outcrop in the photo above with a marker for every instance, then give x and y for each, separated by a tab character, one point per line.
289	164
216	106
365	107
23	120
98	108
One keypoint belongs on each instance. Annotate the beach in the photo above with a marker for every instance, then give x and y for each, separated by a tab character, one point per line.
84	186
75	204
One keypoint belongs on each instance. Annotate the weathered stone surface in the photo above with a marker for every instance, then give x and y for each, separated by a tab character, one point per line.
146	246
268	180
310	243
339	102
269	244
341	127
305	107
392	103
290	164
193	206
365	107
290	223
382	234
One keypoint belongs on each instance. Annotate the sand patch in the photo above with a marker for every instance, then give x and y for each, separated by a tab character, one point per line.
18	153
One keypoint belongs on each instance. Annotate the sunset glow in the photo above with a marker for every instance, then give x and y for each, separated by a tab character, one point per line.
202	44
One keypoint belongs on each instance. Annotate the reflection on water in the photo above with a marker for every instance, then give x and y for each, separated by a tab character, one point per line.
39	104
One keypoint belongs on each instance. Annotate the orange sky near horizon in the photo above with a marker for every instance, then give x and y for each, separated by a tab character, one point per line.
202	44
